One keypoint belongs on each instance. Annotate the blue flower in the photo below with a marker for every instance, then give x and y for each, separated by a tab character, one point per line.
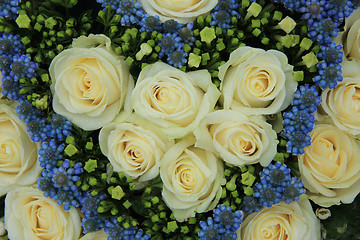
91	223
323	31
9	8
169	43
22	66
298	120
276	174
313	10
50	153
186	34
113	229
209	230
171	26
36	129
331	53
177	58
227	219
339	9
329	75
292	191
251	204
268	195
150	23
297	141
10	45
307	97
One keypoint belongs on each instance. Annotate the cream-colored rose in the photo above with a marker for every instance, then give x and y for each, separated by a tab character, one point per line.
255	81
134	147
350	37
192	179
31	216
89	82
295	221
18	154
174	100
330	167
182	11
1	81
342	103
98	235
238	139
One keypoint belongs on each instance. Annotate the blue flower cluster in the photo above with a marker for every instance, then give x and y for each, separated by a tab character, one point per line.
9	8
175	35
56	182
223	225
89	204
275	185
299	121
117	232
324	18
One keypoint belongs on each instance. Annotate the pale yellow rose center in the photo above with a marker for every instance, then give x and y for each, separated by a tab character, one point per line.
10	151
356	100
257	82
325	147
176	5
274	232
44	221
188	176
89	83
3	152
169	98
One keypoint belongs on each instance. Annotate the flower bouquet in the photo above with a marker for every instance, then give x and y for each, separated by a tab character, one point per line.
164	119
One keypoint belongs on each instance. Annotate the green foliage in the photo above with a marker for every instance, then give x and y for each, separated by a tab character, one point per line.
344	222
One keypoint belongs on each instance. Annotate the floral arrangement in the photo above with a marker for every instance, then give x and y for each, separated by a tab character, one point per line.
208	119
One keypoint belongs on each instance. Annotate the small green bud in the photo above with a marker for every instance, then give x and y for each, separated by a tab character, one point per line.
50	23
127	204
117	193
298	76
310	59
194	60
254	9
90	165
247	178
89	145
287	24
172	226
70	150
23	21
207	34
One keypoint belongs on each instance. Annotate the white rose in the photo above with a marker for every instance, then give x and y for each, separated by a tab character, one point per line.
192	179
174	100
256	81
330	167
134	147
350	37
89	82
29	216
342	103
295	221
181	11
1	81
18	154
98	235
238	139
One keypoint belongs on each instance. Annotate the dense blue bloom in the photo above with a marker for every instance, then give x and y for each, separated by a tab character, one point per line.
251	204
339	9
297	119
89	203
227	218
59	128
293	4
177	58
10	88
227	5
50	153
297	141
221	19
150	23
22	66
46	186
113	229
313	10
26	111
65	176
10	45
169	43
331	53
276	174
9	8
171	26
5	62
323	31
307	97
91	224
292	191
66	198
36	129
131	234
268	194
329	75
209	230
186	34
